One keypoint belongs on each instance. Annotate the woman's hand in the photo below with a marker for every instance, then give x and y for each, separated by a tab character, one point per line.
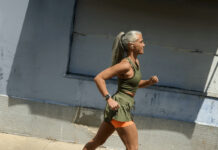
153	80
113	104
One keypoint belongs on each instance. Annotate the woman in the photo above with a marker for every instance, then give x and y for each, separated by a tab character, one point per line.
117	114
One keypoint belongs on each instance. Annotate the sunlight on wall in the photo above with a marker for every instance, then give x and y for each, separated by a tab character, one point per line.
212	81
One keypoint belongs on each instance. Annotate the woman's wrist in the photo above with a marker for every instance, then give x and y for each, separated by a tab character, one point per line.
108	100
107	97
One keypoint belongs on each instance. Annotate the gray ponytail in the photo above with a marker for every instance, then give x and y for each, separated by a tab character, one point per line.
120	45
118	49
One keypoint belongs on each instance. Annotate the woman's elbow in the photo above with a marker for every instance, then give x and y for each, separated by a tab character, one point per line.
96	78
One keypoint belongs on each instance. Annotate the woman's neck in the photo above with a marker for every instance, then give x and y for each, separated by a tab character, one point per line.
132	57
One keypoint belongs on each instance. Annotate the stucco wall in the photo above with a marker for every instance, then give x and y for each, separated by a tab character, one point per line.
181	39
75	124
11	23
34	46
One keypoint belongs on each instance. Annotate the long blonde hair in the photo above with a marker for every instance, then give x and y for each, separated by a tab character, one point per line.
120	45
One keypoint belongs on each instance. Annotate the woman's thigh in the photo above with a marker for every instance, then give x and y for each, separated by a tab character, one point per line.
104	131
129	136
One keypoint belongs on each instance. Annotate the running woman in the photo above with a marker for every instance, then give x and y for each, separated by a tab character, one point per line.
117	113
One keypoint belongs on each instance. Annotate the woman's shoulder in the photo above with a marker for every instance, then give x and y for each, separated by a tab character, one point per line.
124	64
125	61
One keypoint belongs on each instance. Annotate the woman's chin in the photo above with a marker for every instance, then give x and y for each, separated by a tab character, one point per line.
142	52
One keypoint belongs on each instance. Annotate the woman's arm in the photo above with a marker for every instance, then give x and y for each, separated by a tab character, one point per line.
120	68
108	73
144	83
151	81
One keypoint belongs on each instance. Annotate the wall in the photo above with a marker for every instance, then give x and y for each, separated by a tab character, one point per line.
11	23
34	51
181	39
34	46
69	124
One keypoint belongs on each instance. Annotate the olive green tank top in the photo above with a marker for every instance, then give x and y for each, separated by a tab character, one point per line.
130	84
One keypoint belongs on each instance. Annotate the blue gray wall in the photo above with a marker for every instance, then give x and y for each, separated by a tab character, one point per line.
35	43
181	45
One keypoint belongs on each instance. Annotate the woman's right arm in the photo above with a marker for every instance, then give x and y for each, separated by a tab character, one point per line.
120	68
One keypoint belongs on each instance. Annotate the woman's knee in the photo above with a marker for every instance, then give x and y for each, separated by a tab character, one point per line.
96	142
99	141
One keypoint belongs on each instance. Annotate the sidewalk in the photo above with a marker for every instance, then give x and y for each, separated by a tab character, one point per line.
16	142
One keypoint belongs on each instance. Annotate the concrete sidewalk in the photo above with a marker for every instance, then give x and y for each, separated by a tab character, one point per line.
17	142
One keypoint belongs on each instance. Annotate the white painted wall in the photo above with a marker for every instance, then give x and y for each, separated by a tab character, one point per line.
212	80
12	14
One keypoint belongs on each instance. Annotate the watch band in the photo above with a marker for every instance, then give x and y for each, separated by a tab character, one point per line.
107	97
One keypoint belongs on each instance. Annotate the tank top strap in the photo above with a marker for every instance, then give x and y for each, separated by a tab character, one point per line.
131	63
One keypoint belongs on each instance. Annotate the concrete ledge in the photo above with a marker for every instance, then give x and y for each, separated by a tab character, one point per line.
75	124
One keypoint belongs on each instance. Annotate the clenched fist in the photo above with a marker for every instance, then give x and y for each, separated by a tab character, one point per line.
153	80
113	104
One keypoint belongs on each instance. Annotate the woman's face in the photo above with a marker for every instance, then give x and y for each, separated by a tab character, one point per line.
138	45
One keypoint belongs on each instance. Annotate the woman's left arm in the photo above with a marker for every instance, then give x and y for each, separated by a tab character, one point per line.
145	83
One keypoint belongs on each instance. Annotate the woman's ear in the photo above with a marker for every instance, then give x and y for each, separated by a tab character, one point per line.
130	45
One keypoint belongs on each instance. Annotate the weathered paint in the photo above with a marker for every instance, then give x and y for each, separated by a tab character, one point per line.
181	39
212	80
69	124
11	23
34	59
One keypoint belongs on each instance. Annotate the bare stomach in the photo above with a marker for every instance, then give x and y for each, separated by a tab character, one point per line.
129	93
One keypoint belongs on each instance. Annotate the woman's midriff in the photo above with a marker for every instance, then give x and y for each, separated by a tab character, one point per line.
129	93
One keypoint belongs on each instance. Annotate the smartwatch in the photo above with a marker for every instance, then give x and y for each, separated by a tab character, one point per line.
107	97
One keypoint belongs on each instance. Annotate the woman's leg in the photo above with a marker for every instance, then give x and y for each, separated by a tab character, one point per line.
104	131
129	136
